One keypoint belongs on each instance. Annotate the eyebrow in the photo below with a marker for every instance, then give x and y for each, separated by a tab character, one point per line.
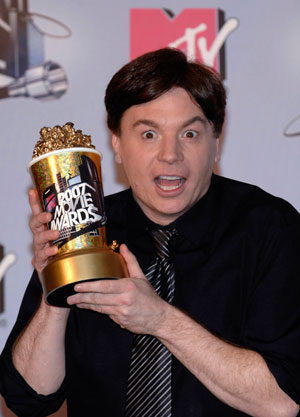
193	120
152	123
145	122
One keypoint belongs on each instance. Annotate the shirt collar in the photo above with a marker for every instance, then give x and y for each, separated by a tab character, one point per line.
195	227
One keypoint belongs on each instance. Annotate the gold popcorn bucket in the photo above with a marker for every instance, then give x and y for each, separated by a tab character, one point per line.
68	182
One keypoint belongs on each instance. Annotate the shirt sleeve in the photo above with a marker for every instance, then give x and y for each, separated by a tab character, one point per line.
273	318
18	395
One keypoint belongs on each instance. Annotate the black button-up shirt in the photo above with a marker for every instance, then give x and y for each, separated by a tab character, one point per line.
237	272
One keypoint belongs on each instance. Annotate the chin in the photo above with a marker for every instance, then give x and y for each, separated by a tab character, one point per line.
173	212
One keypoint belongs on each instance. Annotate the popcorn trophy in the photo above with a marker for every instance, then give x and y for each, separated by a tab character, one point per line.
66	172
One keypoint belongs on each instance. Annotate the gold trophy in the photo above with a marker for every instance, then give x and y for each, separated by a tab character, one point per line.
66	172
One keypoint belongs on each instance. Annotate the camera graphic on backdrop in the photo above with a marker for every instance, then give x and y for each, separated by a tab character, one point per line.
292	129
5	262
23	69
199	33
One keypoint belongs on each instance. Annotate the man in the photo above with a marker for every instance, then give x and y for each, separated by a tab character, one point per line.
233	325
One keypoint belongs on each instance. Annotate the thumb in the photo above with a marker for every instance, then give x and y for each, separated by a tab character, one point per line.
133	266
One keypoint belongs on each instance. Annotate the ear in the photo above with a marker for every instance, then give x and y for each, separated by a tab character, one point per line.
218	151
115	141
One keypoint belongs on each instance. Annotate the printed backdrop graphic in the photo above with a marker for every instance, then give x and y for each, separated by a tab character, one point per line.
6	260
1	281
292	129
260	144
200	33
24	71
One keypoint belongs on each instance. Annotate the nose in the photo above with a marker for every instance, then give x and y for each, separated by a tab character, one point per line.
170	150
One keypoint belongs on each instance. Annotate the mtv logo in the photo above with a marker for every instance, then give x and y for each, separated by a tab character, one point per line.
199	33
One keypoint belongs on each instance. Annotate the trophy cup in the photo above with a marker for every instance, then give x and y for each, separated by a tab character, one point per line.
66	172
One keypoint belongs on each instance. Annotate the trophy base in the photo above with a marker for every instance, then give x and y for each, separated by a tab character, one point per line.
64	271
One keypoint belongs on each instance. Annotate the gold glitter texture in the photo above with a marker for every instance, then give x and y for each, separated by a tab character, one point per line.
63	165
60	137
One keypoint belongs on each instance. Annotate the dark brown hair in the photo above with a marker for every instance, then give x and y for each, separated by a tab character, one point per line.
153	74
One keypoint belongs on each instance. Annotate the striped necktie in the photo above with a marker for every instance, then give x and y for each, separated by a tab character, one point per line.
149	381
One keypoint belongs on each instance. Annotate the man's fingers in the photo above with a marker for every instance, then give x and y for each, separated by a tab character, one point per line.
34	202
42	237
45	236
47	252
42	256
38	222
103	286
132	264
95	299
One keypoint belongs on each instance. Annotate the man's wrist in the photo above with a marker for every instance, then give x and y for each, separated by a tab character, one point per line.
170	319
52	311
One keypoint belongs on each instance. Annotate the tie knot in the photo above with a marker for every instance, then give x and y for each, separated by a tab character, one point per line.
161	239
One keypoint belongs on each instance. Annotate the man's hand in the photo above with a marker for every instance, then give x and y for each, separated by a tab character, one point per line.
130	302
42	248
39	352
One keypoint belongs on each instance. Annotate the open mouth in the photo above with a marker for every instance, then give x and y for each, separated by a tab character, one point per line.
169	182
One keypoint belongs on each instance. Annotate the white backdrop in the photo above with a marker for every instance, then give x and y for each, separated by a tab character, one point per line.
262	81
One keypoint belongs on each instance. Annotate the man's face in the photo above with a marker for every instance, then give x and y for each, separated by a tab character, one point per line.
167	149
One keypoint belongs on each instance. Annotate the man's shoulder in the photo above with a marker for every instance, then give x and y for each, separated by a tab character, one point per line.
254	201
116	207
116	198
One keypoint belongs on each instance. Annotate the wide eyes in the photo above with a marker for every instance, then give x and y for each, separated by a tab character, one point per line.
149	134
190	134
187	134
